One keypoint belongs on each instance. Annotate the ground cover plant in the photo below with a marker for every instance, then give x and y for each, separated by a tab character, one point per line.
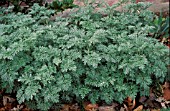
86	56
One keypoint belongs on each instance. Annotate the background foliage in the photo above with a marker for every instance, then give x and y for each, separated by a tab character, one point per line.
24	5
86	56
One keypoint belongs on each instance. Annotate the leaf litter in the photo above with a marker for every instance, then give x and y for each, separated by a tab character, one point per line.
150	103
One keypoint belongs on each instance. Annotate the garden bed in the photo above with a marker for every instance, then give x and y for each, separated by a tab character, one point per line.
86	60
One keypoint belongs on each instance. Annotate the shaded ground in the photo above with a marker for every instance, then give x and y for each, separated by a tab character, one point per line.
159	100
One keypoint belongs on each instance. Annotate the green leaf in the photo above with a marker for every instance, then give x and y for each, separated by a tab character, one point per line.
92	59
57	61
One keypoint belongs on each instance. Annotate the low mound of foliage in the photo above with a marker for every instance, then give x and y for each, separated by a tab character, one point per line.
86	56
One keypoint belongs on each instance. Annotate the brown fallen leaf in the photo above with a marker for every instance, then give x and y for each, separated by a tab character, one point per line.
163	105
163	40
122	109
166	93
26	109
160	99
90	107
139	108
166	85
7	99
114	104
8	102
8	106
130	103
65	107
18	108
74	107
2	109
106	108
125	107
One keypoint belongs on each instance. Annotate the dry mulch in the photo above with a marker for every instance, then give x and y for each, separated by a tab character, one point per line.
158	100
